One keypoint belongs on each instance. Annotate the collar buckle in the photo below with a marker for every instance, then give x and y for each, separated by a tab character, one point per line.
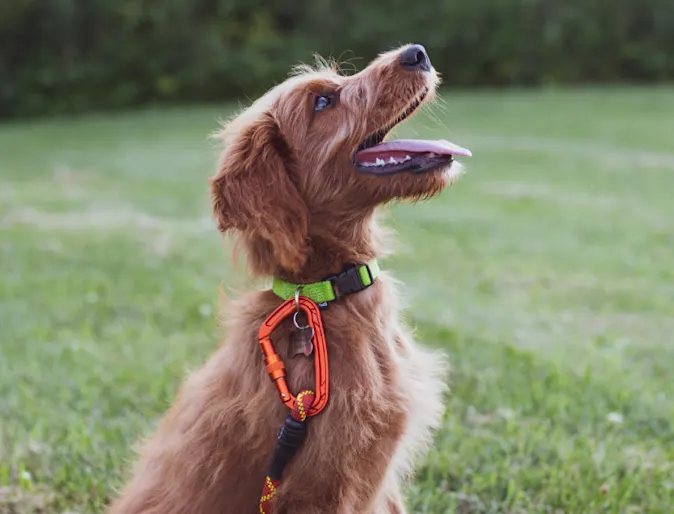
349	281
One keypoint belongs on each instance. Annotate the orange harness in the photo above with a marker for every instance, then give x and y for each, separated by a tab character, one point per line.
307	403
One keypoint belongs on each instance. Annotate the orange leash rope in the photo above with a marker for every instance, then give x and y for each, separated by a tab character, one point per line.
307	403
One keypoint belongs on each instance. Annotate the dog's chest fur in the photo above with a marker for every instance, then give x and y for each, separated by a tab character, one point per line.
211	453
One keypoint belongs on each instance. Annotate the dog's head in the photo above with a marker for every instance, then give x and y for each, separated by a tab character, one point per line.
311	152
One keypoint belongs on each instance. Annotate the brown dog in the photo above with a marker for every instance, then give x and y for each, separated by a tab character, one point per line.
299	180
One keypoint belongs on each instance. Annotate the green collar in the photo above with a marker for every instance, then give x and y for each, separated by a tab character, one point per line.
351	280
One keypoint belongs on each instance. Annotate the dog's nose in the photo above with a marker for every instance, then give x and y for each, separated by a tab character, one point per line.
415	58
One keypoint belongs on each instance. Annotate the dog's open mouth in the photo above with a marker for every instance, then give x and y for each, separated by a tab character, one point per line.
413	155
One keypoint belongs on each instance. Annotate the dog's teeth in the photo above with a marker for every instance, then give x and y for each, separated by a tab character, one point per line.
407	158
380	162
369	164
391	160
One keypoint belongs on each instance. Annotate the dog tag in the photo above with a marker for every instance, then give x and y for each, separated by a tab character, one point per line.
301	341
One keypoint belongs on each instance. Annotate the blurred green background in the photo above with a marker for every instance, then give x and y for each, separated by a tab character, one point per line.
74	55
546	273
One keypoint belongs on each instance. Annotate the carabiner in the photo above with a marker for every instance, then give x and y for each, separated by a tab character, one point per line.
276	367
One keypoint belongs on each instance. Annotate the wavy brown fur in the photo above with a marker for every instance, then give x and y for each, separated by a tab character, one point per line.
287	189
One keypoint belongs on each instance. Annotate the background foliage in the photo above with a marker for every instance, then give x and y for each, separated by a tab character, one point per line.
75	55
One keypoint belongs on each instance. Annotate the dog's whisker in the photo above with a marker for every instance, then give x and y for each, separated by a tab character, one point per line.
441	105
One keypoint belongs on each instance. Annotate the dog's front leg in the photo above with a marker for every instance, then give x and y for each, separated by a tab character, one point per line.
211	451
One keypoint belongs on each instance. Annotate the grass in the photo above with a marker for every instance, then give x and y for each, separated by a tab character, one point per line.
546	273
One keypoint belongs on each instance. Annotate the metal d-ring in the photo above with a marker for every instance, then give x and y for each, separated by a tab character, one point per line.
297	311
297	324
297	300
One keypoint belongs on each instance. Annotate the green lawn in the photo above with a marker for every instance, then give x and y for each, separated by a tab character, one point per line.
546	273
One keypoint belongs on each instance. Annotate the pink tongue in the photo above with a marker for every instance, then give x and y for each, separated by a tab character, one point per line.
409	146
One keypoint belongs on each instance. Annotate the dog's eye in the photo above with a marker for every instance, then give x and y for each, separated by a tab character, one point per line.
322	102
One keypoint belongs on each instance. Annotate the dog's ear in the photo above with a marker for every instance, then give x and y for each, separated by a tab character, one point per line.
254	192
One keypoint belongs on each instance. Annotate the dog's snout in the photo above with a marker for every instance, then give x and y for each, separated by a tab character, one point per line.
415	58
